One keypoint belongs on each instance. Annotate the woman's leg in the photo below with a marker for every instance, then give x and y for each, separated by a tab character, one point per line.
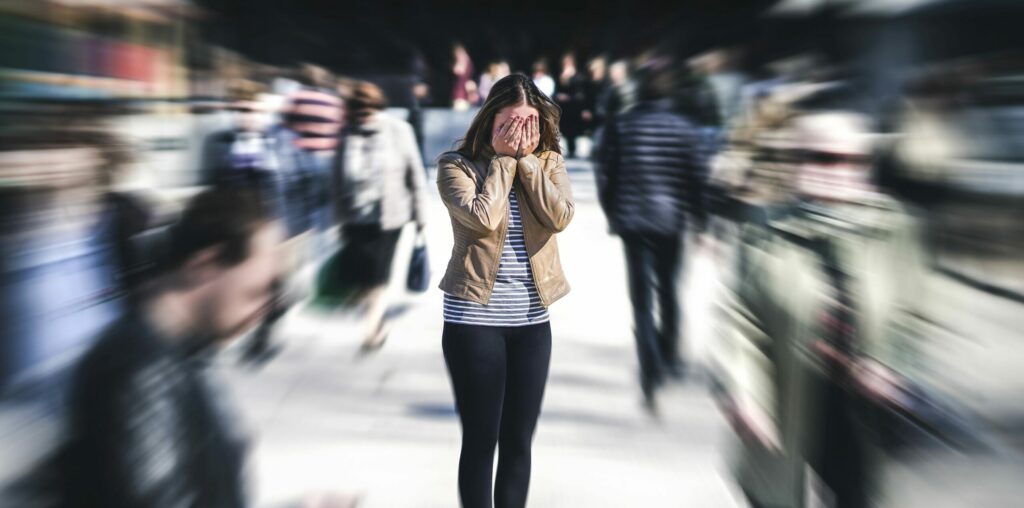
529	355
640	276
376	311
377	301
476	359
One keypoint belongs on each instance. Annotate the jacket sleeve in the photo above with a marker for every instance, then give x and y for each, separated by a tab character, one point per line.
606	168
480	211
416	179
547	191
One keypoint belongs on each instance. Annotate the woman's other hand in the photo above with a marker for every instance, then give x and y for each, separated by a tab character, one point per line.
531	136
507	139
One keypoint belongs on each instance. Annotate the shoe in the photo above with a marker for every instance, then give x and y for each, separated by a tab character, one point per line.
377	341
650	403
676	371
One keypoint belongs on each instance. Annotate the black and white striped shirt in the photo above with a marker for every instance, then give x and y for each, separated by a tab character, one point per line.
514	301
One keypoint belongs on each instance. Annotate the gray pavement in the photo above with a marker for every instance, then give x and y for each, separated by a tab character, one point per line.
384	426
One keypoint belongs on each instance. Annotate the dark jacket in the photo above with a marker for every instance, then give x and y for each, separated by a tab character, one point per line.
650	171
145	428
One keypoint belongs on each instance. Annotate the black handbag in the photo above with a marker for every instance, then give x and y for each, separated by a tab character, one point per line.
418	278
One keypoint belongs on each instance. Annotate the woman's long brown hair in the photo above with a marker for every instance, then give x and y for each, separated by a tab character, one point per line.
512	90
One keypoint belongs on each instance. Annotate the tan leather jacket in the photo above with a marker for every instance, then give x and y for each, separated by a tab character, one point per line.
476	194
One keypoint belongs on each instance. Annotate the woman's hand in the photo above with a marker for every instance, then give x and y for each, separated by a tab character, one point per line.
508	138
530	138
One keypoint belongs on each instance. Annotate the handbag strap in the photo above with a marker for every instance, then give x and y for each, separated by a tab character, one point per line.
420	240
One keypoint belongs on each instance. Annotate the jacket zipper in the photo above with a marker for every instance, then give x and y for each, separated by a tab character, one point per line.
529	255
501	248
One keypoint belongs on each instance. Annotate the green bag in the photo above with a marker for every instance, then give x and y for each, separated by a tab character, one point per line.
335	286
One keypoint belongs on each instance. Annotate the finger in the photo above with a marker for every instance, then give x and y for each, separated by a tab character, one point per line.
517	129
505	127
513	125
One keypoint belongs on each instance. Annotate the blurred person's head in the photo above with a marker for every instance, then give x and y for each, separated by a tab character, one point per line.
618	72
312	75
249	111
568	64
540	67
655	80
498	69
513	95
221	267
364	100
345	86
834	156
598	68
459	52
503	69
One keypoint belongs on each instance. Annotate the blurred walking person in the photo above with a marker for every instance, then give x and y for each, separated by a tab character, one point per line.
620	94
508	194
380	187
464	90
146	428
593	114
316	116
495	71
570	97
544	82
650	175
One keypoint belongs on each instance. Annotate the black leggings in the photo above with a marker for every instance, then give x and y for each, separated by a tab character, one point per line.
498	376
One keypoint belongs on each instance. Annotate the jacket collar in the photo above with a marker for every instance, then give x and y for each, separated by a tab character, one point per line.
482	161
662	104
369	128
487	152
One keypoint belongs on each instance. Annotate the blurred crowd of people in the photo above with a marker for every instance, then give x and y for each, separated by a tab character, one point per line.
869	287
587	96
849	239
854	237
141	425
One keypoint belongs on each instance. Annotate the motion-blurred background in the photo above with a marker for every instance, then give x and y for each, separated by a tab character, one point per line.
851	313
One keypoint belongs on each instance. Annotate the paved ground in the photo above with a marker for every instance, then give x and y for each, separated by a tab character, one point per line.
384	425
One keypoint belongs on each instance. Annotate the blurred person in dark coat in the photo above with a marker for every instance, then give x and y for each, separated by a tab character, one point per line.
596	87
650	176
570	97
145	427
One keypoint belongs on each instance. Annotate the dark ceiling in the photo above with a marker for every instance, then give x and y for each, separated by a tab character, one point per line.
362	36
